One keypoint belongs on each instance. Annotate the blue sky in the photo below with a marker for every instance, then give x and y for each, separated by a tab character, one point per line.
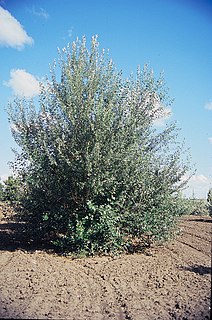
173	36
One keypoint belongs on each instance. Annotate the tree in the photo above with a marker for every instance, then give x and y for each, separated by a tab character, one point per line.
209	200
1	191
10	190
95	170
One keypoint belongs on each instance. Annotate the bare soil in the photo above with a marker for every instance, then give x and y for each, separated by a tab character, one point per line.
172	281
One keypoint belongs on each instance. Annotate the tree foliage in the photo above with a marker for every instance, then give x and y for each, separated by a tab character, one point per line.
95	170
199	207
209	201
10	190
1	191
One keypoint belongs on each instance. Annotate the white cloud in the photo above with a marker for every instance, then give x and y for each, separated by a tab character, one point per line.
198	185
159	113
4	177
160	122
208	106
210	140
23	83
199	179
40	13
70	32
12	34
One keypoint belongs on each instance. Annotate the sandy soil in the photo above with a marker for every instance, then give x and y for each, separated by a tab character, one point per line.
172	281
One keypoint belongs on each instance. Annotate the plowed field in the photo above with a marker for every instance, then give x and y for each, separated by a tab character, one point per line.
172	281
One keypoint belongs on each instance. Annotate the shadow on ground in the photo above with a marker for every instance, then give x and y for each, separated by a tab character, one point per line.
202	220
14	236
201	270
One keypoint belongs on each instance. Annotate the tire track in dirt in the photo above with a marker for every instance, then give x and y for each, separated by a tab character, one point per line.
196	244
193	247
5	261
204	238
196	230
121	305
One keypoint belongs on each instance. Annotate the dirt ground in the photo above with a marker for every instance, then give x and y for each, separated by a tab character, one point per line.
172	281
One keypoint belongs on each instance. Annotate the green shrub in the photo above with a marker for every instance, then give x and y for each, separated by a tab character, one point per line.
10	190
1	191
197	207
209	201
95	170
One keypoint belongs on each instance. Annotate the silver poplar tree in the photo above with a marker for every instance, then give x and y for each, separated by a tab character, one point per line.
95	171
